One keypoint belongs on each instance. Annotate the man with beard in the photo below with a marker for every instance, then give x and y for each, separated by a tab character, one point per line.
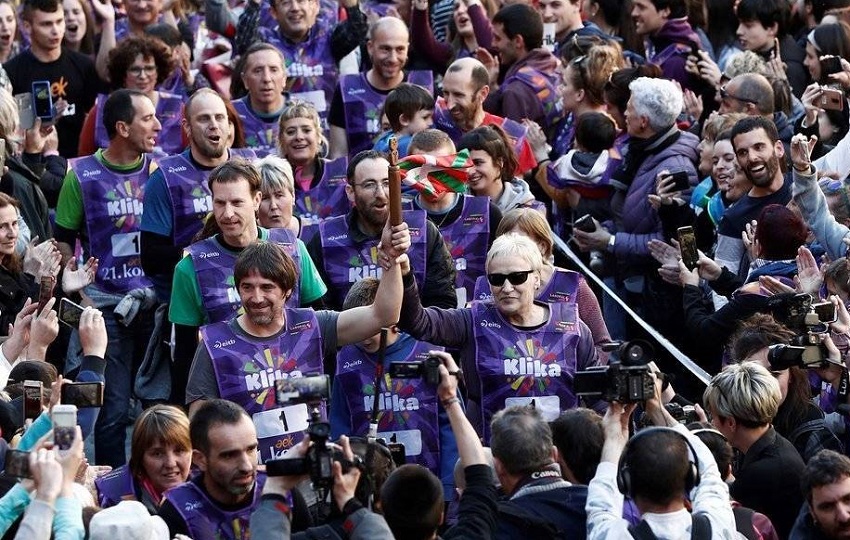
354	116
239	360
177	199
263	73
101	204
826	486
218	502
759	151
345	250
466	85
204	290
528	88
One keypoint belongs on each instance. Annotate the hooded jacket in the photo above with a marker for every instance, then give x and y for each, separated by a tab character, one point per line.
517	100
669	48
515	194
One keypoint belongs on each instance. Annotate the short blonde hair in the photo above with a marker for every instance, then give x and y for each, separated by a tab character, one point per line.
275	174
533	224
746	392
516	245
9	116
301	109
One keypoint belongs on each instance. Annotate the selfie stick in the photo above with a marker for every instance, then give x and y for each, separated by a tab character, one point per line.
395	184
379	375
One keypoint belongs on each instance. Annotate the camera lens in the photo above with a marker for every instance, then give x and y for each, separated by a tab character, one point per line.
320	429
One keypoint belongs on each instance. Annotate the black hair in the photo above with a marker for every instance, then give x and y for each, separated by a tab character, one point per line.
658	465
270	261
596	132
766	12
406	99
522	20
678	8
119	108
826	467
412	502
752	123
578	435
359	158
212	413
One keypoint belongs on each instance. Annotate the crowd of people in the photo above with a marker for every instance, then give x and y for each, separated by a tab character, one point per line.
359	269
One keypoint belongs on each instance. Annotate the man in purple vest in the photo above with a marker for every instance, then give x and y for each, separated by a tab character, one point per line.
177	199
354	115
217	503
345	250
311	44
240	359
264	77
204	289
468	224
529	88
466	86
101	204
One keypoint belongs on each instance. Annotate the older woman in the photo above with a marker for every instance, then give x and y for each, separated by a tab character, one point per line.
494	165
278	195
160	457
513	350
319	183
139	63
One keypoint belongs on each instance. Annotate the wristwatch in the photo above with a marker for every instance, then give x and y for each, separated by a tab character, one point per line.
612	240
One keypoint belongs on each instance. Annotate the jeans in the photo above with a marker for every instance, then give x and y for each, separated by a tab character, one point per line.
124	353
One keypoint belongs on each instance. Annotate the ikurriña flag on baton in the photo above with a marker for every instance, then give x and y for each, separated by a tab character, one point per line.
434	176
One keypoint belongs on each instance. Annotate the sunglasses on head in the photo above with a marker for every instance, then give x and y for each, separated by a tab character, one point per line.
516	278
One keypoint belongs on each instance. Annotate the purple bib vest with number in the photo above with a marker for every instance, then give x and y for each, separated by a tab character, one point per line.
408	407
191	200
310	67
214	269
169	112
260	136
113	207
245	372
444	122
324	200
466	238
516	367
115	486
206	520
562	287
363	104
346	263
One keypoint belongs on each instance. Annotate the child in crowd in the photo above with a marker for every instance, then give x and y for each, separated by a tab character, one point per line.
409	109
584	165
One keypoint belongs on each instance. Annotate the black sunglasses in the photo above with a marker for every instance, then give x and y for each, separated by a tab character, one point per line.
724	94
516	278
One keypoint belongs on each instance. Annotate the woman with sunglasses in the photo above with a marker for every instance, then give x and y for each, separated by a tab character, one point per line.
139	63
514	350
319	182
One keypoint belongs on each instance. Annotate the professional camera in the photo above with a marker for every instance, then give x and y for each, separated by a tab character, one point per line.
626	381
684	414
810	322
428	369
310	390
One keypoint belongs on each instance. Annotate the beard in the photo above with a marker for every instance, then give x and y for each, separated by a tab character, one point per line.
465	116
771	167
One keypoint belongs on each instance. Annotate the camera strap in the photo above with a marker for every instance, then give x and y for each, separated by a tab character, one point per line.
843	386
379	376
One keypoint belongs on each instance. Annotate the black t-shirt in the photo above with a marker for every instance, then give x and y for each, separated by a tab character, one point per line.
72	77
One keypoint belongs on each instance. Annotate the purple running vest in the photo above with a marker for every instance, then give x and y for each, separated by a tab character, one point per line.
191	200
260	136
466	240
113	208
346	263
324	200
516	367
444	122
363	104
115	486
310	67
245	371
206	520
169	111
409	409
562	287
214	269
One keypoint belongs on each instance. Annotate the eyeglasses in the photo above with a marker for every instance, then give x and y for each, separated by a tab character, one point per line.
516	278
136	71
724	94
372	185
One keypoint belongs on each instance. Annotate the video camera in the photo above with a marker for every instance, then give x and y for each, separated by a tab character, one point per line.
311	390
627	380
428	369
810	323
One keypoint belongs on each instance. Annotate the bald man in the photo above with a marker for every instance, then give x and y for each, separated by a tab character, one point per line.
461	109
753	95
354	116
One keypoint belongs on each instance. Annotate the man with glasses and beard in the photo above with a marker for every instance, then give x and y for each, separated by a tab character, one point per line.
759	152
345	250
466	85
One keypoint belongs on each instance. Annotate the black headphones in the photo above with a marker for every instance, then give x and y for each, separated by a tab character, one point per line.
624	476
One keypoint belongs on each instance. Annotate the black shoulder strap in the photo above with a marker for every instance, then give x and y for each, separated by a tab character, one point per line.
540	527
700	529
744	521
642	531
806	427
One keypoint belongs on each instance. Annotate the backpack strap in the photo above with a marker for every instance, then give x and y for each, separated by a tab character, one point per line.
700	527
744	522
642	531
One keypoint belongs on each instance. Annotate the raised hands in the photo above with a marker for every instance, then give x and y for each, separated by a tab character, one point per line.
75	279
